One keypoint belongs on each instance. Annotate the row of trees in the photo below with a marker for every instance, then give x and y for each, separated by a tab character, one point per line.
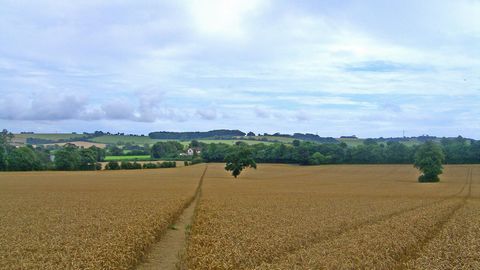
428	159
126	165
29	158
456	151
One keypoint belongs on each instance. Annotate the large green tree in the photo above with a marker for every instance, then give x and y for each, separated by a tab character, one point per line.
23	159
88	158
166	149
5	138
428	159
68	158
239	158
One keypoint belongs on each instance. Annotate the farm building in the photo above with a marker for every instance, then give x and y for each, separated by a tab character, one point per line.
194	150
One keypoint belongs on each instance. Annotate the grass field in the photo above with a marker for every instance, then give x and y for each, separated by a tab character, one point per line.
113	139
120	158
275	217
88	220
51	136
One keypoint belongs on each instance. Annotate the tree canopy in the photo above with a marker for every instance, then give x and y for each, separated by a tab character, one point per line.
239	158
428	159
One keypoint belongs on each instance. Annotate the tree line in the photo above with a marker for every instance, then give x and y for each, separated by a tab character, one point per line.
456	151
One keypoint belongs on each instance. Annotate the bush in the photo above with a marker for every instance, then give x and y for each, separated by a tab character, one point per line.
196	160
168	164
112	165
125	165
150	165
98	166
430	179
185	163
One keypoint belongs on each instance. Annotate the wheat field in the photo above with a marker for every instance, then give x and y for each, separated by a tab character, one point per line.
88	220
275	217
336	217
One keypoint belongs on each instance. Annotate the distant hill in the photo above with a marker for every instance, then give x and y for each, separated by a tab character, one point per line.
213	134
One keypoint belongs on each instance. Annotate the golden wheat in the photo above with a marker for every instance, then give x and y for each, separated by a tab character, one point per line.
88	220
324	217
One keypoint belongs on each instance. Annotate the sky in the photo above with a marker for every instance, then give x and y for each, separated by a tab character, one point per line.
372	68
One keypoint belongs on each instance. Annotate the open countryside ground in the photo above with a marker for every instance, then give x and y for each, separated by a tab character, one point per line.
336	217
51	136
275	217
114	139
88	220
120	158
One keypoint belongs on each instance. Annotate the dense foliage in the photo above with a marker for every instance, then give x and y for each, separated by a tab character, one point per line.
168	149
457	151
239	158
428	159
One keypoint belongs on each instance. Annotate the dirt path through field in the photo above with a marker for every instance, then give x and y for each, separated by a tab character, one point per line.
164	254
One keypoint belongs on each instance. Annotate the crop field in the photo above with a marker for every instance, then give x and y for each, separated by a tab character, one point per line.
51	136
88	220
275	217
336	217
114	139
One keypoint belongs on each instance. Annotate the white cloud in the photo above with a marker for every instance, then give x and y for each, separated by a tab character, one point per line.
163	64
223	18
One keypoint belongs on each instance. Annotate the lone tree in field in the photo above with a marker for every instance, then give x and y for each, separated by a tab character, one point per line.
428	159
238	159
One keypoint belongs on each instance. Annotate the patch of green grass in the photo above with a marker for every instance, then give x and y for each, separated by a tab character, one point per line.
50	136
139	140
114	139
172	227
126	158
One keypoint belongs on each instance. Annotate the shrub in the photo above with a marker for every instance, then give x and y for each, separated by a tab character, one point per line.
150	165
98	166
196	160
125	165
112	165
168	164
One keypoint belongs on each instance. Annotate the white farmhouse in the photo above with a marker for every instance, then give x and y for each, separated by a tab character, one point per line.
192	151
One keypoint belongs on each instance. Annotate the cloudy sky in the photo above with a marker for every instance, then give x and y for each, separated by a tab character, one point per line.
370	68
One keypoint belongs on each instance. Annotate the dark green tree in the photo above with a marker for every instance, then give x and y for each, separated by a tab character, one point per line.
239	158
397	153
88	158
5	138
67	158
168	149
115	150
23	159
317	159
112	165
428	159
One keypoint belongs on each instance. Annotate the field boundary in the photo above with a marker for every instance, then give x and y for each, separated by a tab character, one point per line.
182	254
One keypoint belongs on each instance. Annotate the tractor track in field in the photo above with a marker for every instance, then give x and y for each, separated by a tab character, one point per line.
379	219
415	252
165	253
